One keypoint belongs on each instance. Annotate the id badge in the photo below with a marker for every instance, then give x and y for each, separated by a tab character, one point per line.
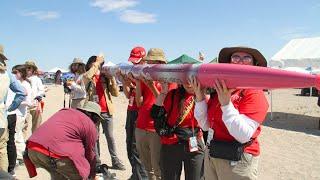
95	98
193	144
210	135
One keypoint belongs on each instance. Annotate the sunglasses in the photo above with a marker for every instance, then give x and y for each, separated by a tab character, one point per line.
245	59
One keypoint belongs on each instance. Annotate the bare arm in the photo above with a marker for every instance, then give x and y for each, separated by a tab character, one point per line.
161	97
87	76
113	86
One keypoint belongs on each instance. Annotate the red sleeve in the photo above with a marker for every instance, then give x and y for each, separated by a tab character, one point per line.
173	86
254	105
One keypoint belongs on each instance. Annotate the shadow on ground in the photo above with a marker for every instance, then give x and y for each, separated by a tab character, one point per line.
294	122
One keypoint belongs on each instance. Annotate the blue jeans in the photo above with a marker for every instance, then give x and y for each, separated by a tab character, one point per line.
107	126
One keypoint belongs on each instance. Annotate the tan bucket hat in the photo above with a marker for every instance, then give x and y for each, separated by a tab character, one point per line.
77	61
92	107
31	63
225	55
155	54
2	56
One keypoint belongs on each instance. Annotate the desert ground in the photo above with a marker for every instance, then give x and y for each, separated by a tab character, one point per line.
290	141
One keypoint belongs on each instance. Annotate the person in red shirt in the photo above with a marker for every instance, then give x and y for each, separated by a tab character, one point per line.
99	89
148	141
181	137
233	118
64	144
129	88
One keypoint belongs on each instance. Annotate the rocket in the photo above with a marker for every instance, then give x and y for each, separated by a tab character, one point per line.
234	75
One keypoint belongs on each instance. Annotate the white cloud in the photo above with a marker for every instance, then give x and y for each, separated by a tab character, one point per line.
136	17
42	15
113	5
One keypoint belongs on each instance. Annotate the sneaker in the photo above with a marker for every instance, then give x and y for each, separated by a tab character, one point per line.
118	166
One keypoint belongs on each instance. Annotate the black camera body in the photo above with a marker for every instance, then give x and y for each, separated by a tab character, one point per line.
66	89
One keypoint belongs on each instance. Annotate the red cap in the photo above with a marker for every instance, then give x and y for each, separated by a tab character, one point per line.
137	54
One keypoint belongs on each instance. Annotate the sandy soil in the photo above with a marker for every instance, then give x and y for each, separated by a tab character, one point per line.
290	142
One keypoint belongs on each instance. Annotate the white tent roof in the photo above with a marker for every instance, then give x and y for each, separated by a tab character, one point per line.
109	63
303	53
55	69
297	69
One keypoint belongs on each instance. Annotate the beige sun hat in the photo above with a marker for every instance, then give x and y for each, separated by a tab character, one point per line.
92	107
31	63
3	65
155	54
2	56
77	61
225	55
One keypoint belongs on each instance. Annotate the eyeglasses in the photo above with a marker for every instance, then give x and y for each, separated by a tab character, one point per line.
245	59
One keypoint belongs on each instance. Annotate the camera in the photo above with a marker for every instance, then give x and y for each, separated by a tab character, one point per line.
66	89
65	78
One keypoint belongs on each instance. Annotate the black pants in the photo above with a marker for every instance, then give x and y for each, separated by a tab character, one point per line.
11	146
172	157
138	170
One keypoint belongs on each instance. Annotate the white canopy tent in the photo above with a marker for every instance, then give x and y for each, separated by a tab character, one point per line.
55	69
304	52
299	55
109	63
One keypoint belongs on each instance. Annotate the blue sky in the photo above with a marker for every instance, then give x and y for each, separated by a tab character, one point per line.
54	32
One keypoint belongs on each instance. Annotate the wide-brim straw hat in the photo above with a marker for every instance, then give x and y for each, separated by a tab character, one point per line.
77	61
155	54
31	63
2	56
226	53
92	107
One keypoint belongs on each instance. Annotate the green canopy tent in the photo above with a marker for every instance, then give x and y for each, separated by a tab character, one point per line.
215	60
185	59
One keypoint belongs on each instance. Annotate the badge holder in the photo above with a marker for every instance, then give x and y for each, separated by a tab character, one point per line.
193	143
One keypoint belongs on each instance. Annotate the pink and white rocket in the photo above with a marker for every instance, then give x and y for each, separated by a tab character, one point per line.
235	76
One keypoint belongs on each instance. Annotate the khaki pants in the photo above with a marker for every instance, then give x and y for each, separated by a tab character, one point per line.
76	103
65	169
3	150
148	146
19	138
220	169
36	118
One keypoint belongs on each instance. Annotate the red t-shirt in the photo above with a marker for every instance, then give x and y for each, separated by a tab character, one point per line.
100	93
132	106
251	103
144	120
188	122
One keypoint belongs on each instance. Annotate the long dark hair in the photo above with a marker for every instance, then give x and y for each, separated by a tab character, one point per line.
90	61
22	69
81	68
181	94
